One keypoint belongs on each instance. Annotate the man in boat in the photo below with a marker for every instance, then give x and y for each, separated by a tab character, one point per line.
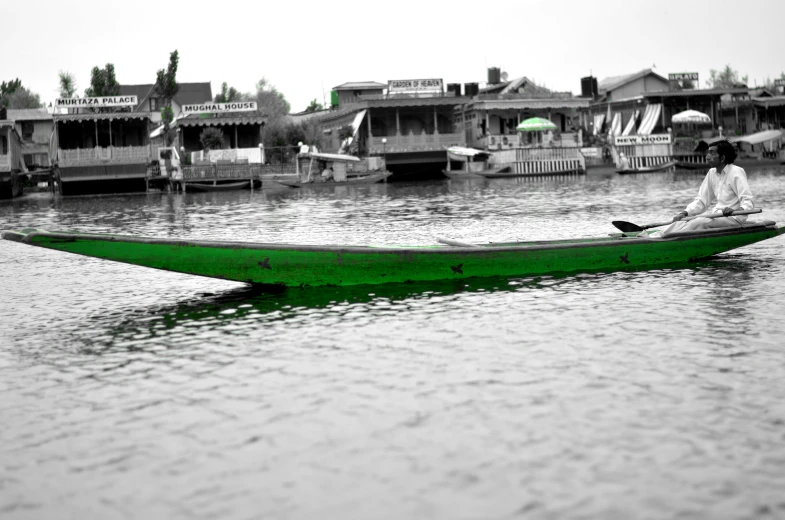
724	190
624	163
327	174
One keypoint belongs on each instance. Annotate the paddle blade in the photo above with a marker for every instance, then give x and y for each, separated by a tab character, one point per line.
626	227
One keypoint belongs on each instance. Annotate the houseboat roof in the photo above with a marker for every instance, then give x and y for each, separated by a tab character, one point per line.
29	114
528	103
335	157
614	82
759	137
361	85
102	116
188	94
773	101
698	92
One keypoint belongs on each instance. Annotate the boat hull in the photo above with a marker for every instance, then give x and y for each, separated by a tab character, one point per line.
228	186
350	181
650	169
301	265
481	174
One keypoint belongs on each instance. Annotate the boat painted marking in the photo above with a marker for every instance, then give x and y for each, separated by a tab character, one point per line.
625	258
457	269
265	264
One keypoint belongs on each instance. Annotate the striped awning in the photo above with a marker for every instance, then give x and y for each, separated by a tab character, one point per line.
616	124
630	128
650	118
599	119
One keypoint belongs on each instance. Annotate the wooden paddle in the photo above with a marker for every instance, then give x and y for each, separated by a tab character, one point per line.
629	227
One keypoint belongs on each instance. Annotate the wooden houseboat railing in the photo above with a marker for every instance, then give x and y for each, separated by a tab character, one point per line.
414	142
104	155
12	145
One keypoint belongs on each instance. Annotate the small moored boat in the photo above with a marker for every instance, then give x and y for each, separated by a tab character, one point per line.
649	169
340	176
473	164
291	265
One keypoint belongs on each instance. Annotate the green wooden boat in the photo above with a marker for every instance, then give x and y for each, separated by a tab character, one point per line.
286	265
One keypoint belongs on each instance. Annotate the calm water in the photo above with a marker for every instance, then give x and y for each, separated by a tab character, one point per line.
133	393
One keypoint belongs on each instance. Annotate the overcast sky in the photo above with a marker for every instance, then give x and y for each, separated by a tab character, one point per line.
305	48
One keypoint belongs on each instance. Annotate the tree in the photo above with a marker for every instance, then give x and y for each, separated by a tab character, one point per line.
23	98
67	84
229	94
14	96
314	106
103	82
726	78
211	138
770	82
166	88
271	102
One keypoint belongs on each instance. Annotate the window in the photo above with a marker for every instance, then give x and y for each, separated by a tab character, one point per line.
27	131
155	104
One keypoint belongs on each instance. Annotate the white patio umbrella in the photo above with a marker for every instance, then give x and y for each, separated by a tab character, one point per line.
690	116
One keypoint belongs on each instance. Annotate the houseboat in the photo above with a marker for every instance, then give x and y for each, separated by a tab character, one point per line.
491	119
12	165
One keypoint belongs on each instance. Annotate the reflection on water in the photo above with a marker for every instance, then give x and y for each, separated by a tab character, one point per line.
131	392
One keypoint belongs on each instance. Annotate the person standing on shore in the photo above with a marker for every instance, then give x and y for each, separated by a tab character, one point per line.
724	190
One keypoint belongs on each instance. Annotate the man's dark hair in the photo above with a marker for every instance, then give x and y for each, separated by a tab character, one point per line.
725	149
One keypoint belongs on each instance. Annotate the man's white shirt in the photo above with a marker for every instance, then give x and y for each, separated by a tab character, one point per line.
717	192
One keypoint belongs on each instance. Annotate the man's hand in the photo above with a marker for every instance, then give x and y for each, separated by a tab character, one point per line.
680	216
727	212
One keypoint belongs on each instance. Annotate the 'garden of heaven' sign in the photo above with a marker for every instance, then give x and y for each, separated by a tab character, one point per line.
400	86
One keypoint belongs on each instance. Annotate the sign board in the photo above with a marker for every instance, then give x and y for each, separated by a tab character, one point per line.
590	152
410	86
633	140
97	102
220	108
681	76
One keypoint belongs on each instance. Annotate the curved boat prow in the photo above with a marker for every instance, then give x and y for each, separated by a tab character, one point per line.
18	236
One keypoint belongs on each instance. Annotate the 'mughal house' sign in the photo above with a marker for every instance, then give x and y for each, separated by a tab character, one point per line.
97	102
219	108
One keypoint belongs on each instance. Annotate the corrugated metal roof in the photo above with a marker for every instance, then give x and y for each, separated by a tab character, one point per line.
189	93
29	114
531	103
361	85
615	82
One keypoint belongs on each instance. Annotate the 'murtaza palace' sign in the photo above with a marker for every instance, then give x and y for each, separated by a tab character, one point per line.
97	102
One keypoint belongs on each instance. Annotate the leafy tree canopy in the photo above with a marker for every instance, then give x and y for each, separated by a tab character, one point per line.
103	82
14	96
166	79
8	88
229	94
314	106
726	78
166	87
271	102
67	84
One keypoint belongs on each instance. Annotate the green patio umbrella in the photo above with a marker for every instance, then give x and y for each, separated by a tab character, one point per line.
535	124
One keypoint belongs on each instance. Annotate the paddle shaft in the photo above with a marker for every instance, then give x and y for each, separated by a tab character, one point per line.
718	215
